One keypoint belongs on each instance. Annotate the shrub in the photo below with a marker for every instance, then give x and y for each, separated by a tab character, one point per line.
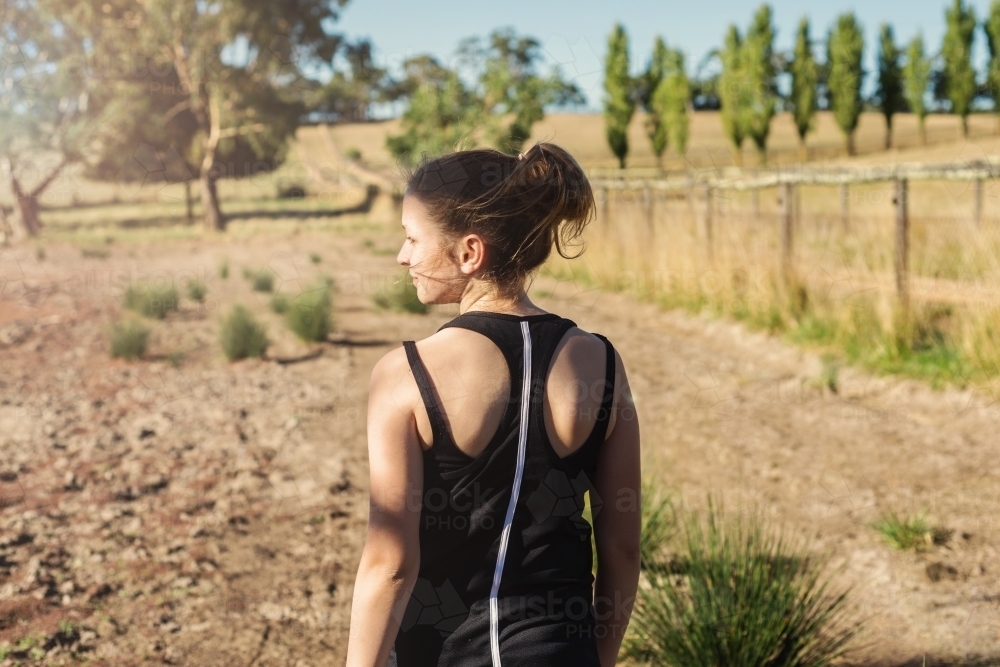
196	290
151	300
279	304
739	595
261	280
400	295
129	338
315	258
352	154
241	335
224	269
310	315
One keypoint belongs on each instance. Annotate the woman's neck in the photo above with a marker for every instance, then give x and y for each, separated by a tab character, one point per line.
520	305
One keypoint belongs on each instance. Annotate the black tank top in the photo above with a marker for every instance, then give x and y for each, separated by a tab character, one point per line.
505	553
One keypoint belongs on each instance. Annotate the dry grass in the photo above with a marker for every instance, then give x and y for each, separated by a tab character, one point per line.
840	294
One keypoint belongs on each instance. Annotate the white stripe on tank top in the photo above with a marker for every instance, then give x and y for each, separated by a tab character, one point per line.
522	444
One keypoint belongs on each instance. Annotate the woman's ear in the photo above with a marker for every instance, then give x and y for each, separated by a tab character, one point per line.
471	253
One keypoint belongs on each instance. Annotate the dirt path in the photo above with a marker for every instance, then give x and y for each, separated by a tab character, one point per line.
213	513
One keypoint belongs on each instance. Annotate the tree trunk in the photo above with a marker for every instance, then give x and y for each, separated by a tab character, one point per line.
923	131
214	221
189	202
888	132
803	150
849	142
621	161
762	157
738	156
26	202
965	127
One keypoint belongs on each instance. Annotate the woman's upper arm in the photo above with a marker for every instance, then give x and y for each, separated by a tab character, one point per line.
396	464
618	522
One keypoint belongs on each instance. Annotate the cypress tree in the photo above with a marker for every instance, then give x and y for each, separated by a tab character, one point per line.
959	77
758	56
656	128
672	97
733	92
916	77
845	48
991	26
805	78
619	104
890	84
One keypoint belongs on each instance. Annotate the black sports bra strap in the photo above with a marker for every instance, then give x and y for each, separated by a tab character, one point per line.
604	414
438	425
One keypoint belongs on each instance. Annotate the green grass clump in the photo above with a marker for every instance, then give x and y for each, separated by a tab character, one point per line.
310	315
261	280
315	258
739	594
152	300
129	338
196	290
99	253
908	532
242	335
224	269
279	304
659	524
399	294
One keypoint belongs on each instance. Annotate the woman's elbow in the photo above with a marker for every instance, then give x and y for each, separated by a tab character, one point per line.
391	570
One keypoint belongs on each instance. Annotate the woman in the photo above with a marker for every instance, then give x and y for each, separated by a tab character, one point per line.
485	437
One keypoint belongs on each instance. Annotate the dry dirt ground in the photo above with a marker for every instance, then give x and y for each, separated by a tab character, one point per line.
186	510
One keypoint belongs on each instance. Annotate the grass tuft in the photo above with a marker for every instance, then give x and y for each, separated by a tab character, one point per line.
310	314
659	523
242	335
315	258
279	304
261	280
152	300
224	269
739	594
129	338
399	294
909	532
196	290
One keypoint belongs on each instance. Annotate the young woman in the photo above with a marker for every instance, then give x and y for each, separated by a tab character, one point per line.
485	437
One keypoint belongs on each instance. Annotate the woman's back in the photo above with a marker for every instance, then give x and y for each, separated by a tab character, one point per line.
515	411
485	439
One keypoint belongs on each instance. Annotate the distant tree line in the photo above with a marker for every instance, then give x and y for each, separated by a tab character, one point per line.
744	86
177	91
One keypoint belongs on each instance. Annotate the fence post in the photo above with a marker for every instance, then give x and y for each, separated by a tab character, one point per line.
902	244
786	229
845	199
708	221
979	202
647	193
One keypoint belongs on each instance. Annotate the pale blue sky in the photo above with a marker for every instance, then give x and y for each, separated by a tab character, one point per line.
574	32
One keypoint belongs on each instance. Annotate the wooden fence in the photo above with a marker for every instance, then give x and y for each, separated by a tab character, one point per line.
787	180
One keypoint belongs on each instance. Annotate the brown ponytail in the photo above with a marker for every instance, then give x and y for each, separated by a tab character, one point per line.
521	205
